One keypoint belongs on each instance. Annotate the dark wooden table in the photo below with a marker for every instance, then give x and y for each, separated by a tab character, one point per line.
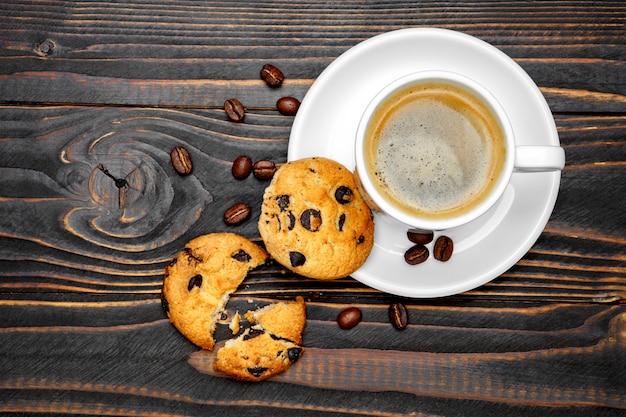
82	331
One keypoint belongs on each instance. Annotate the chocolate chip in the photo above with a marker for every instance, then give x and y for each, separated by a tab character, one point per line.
311	220
195	281
241	256
257	371
341	221
283	202
294	354
164	304
360	240
292	221
191	256
296	259
344	195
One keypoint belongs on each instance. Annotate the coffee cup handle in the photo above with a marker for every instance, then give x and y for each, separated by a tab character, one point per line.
539	158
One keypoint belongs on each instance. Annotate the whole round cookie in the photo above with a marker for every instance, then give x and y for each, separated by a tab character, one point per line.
314	221
200	279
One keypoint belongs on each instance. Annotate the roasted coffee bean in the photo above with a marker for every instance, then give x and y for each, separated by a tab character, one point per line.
443	249
343	195
241	256
288	105
296	259
234	110
422	237
195	281
349	318
181	160
294	354
398	316
237	214
272	75
311	220
416	254
242	167
264	169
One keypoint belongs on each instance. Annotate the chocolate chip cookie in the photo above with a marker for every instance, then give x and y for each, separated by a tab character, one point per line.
200	279
314	221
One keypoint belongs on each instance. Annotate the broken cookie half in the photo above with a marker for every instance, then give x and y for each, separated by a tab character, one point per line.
200	279
267	348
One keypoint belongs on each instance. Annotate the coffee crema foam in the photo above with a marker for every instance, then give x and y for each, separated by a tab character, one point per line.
435	150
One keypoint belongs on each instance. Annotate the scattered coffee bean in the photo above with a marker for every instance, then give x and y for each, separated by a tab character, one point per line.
288	105
234	110
398	316
181	160
272	75
237	214
420	236
416	254
443	249
242	167
264	169
349	318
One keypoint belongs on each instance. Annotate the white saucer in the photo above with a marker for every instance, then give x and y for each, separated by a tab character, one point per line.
326	124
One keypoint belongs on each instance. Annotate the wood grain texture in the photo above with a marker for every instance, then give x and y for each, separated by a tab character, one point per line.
119	84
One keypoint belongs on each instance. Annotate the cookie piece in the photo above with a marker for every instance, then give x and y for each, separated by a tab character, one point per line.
314	221
269	347
284	320
200	279
256	355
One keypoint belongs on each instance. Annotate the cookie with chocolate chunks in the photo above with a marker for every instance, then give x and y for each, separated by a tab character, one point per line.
269	347
199	280
314	221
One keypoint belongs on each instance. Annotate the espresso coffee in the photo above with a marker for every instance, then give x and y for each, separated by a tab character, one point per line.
435	150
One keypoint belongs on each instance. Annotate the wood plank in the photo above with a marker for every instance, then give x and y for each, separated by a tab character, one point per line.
118	84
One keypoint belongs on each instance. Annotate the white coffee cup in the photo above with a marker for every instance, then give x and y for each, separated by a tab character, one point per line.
434	178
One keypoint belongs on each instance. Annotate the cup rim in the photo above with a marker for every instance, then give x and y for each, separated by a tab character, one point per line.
449	77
